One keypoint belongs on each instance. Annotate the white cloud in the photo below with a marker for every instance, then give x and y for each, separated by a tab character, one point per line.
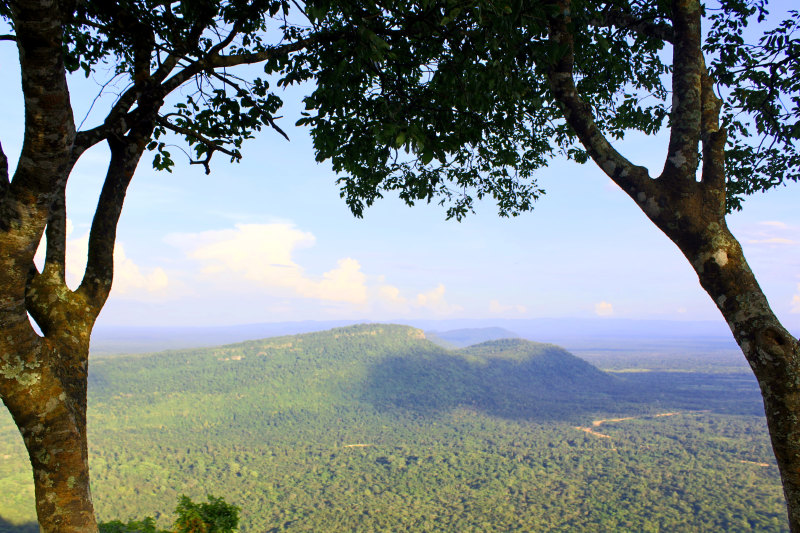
433	300
345	283
771	240
603	309
130	281
796	301
389	296
774	224
263	254
495	307
770	232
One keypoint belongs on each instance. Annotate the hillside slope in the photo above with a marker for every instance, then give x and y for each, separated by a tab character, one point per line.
375	428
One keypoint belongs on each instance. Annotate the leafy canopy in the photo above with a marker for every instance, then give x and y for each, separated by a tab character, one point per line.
444	100
450	100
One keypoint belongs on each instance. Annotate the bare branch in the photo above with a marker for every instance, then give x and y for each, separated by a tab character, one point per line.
8	38
119	118
631	178
220	46
125	154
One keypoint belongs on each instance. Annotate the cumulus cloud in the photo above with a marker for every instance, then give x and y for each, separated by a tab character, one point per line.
263	254
434	300
495	307
389	296
603	309
130	280
796	301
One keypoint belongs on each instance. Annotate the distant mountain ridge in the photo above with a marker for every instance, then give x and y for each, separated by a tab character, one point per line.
574	333
461	338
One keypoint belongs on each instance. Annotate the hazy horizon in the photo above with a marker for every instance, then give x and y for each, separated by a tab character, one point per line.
575	333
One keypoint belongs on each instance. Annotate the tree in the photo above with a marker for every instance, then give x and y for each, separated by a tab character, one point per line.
177	61
474	109
216	516
479	94
153	48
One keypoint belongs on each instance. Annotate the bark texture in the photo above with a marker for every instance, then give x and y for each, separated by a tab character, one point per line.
691	212
43	378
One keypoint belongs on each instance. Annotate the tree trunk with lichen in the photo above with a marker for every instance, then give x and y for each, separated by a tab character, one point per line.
43	378
53	425
690	210
772	352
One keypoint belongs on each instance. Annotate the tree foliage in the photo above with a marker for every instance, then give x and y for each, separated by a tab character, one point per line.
761	80
464	107
435	100
216	516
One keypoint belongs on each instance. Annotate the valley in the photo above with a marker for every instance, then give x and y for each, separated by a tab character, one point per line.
375	428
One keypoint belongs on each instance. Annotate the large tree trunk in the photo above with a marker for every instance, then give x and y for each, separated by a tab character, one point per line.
773	352
53	427
43	384
43	378
691	212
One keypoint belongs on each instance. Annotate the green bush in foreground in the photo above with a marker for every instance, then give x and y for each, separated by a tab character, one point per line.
216	516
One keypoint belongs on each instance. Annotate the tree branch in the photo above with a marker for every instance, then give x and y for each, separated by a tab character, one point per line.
48	312
211	144
713	140
56	234
631	178
215	61
682	156
99	274
220	46
626	21
119	118
8	38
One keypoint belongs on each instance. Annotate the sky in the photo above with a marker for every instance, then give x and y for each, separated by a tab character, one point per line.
269	240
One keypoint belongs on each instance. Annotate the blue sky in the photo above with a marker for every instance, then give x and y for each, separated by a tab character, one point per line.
270	240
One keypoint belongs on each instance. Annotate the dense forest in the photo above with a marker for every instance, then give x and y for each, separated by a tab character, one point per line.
375	428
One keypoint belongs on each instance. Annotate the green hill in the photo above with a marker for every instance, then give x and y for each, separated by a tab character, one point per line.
375	428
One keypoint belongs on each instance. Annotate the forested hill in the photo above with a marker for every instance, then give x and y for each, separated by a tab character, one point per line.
375	428
382	366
